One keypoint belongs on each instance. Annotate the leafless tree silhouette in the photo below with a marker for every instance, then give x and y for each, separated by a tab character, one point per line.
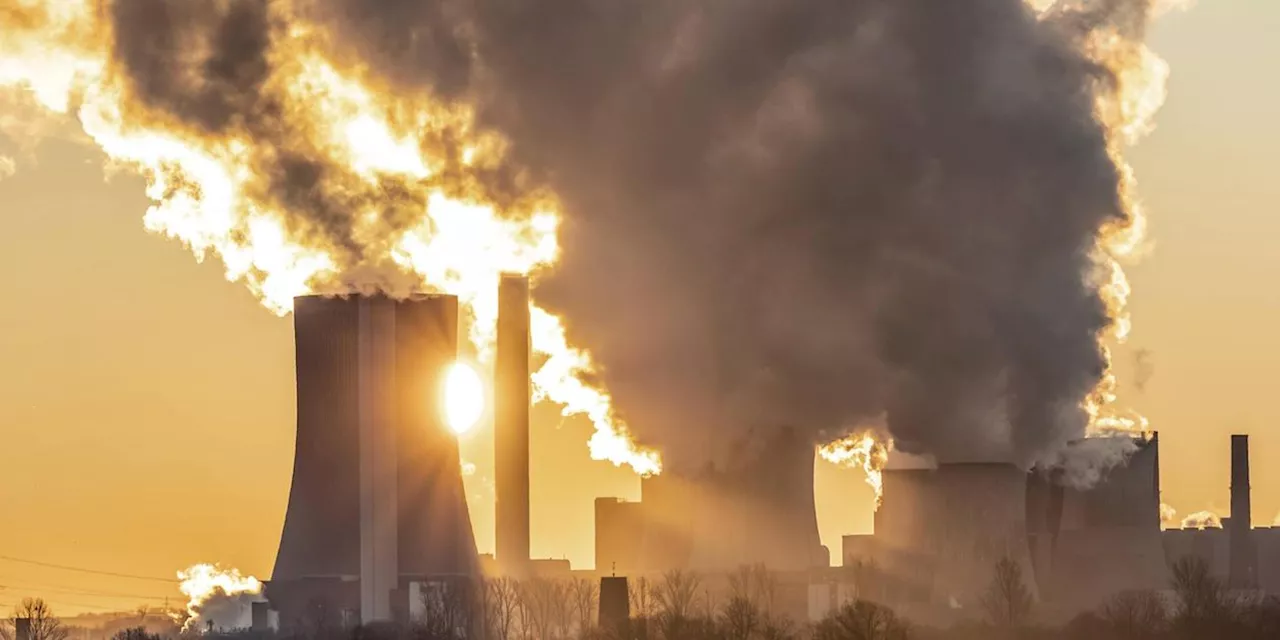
1204	604
44	624
586	597
1135	615
861	620
502	608
675	597
740	619
135	633
755	584
1008	599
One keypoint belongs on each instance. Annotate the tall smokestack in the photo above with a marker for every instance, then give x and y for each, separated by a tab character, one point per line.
511	423
1244	560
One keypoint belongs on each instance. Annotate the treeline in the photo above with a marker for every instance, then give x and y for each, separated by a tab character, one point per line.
677	607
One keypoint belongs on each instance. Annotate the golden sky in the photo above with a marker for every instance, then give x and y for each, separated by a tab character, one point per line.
146	404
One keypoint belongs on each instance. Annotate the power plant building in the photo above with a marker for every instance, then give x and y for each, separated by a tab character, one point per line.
376	503
939	532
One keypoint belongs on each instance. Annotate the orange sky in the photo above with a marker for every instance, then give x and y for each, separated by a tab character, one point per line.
146	405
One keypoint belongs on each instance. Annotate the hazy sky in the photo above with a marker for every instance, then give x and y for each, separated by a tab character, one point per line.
146	405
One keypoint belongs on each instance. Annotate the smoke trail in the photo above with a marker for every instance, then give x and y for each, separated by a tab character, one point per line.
813	213
817	212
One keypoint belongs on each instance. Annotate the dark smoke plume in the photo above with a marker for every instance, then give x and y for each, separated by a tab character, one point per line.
815	213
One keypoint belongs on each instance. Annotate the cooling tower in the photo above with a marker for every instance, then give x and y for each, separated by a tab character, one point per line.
376	500
1107	538
760	508
940	532
511	425
757	508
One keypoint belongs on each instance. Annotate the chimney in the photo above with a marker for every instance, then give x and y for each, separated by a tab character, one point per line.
511	424
1243	557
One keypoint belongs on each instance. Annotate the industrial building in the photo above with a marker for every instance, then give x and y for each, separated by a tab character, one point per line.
377	521
376	507
940	530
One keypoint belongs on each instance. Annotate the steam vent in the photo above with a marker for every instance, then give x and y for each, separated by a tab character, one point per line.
377	504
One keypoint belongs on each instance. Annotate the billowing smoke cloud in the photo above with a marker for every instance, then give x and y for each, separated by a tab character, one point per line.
814	213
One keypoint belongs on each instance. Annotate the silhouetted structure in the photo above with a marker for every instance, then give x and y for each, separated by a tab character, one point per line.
940	531
615	606
757	508
511	424
619	534
376	501
1107	537
1243	572
941	528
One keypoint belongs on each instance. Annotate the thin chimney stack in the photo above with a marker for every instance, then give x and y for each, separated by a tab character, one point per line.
1243	569
511	424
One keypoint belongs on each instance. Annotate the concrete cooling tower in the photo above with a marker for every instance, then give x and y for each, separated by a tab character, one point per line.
1107	539
757	508
377	501
940	532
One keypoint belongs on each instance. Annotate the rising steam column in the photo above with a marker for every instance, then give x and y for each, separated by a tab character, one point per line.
511	424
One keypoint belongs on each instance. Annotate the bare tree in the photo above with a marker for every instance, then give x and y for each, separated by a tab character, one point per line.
675	597
861	620
446	610
777	628
640	594
545	608
755	584
135	633
1135	615
586	598
44	625
1007	599
740	619
1204	605
502	603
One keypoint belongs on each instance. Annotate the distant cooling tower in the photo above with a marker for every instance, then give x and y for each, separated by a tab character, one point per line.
1107	539
377	500
940	532
757	508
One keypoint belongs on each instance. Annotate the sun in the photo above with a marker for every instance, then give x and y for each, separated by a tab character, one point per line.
463	397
